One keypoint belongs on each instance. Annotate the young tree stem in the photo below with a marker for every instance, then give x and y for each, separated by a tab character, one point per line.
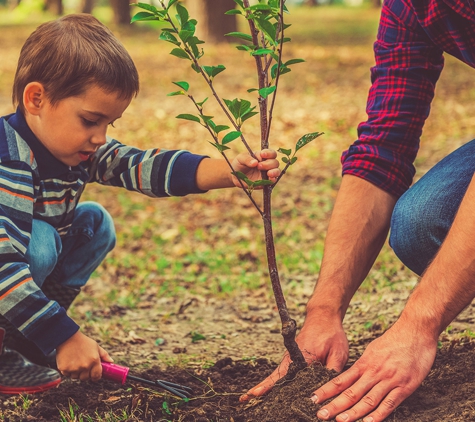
289	326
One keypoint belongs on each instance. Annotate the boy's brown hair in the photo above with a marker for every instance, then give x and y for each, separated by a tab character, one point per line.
69	55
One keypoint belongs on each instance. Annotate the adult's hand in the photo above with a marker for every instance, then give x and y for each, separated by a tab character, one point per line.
324	341
390	370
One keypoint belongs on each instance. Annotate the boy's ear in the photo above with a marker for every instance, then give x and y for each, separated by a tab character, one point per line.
34	97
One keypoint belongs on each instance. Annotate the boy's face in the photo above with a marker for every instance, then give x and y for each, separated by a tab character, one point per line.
75	127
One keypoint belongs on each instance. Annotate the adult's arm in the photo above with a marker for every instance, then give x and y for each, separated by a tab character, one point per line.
394	365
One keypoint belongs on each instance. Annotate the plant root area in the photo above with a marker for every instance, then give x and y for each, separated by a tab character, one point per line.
447	394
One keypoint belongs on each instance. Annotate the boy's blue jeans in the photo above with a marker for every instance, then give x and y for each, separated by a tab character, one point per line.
424	214
89	239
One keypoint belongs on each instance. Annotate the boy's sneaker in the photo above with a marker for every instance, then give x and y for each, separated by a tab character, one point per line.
20	376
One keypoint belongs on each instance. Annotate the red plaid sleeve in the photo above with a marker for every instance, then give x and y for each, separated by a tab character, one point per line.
408	65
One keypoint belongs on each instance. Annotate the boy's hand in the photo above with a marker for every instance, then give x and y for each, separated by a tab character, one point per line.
252	168
80	358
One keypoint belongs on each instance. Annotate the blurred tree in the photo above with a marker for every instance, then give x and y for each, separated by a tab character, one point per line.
121	9
54	6
311	2
212	22
87	6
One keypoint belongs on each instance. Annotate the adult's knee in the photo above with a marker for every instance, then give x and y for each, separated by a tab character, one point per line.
418	228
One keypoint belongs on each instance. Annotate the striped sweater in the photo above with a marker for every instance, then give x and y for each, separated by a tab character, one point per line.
34	184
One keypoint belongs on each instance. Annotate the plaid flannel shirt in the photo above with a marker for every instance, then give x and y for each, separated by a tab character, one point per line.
413	35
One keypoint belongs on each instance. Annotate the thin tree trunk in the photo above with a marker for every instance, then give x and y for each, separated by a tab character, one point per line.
213	24
121	9
54	6
87	6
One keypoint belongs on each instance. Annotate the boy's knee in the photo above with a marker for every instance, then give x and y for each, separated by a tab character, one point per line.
103	223
43	250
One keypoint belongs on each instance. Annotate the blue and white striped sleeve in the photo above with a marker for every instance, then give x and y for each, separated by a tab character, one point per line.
153	172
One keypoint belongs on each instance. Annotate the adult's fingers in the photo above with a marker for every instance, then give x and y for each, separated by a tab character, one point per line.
265	386
384	397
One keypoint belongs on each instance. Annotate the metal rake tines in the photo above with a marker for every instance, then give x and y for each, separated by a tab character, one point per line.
179	390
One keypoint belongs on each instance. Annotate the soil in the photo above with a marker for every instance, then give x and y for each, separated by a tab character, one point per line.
217	390
446	395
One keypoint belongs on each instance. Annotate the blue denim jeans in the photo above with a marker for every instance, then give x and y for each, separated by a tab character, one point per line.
424	214
74	257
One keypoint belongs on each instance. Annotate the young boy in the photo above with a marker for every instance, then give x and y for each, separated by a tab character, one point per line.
74	79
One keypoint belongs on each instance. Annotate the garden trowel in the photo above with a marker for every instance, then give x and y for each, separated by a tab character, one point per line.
119	373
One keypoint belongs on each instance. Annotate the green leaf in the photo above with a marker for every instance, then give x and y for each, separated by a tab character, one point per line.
293	61
265	92
293	160
243	177
262	51
147	6
189	26
283	70
220	128
183	15
285	151
262	182
167	36
172	94
196	336
240	35
212	71
200	104
207	119
191	117
304	140
231	136
249	114
252	90
143	16
268	29
183	85
180	53
219	147
185	35
171	3
285	159
244	48
196	68
239	3
233	12
261	6
244	106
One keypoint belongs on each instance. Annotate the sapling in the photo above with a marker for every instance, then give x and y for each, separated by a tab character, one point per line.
264	42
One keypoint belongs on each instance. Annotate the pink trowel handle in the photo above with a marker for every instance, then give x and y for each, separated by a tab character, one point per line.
113	372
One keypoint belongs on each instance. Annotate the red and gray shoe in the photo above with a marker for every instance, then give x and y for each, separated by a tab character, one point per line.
20	376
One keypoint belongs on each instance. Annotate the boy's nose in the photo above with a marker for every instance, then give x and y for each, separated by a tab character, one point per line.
99	139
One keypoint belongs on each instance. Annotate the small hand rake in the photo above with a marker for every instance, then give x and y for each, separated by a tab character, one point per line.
119	373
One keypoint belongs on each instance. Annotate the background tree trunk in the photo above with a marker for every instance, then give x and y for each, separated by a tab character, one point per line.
212	22
121	10
54	6
87	6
